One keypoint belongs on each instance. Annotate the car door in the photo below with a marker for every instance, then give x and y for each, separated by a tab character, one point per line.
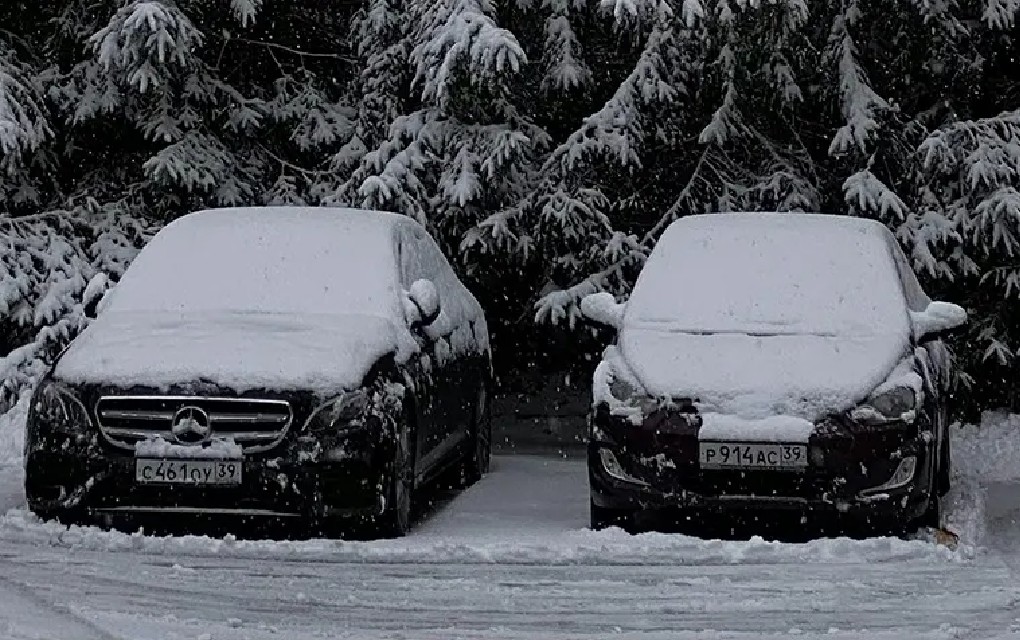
420	369
933	358
421	258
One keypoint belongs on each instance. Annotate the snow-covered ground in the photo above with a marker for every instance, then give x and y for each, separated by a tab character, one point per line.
511	558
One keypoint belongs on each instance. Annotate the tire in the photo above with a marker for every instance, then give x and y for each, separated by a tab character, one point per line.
479	454
396	518
932	515
603	518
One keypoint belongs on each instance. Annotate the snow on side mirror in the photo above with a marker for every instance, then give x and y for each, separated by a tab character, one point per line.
938	318
603	309
424	302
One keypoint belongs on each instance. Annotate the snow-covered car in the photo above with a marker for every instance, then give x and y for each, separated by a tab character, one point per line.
314	364
773	361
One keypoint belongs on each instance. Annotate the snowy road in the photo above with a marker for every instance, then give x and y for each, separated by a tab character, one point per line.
509	558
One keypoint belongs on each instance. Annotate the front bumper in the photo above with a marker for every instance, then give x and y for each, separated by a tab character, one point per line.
655	465
88	477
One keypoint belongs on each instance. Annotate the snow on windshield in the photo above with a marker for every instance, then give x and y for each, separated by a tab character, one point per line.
771	274
268	260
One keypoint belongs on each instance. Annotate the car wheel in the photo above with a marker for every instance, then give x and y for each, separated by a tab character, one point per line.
603	518
479	453
395	521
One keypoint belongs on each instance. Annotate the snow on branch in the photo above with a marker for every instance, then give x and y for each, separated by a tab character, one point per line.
23	123
50	265
144	40
245	10
463	43
861	106
615	131
1000	14
624	11
565	69
865	192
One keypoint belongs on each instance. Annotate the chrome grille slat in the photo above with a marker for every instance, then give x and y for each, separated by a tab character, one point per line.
226	418
137	415
254	423
245	436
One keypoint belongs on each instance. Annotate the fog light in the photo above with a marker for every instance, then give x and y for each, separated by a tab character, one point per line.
817	456
614	469
903	475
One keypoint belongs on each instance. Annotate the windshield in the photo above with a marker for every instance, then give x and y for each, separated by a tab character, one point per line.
782	274
282	261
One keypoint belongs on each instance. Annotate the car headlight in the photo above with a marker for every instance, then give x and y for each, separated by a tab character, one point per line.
59	408
622	390
348	412
898	403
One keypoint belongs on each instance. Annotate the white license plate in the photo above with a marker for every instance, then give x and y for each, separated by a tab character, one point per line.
187	472
741	455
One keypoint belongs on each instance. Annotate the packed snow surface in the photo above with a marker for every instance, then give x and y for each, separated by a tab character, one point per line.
766	314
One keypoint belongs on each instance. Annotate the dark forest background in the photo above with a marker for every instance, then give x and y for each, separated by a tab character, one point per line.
545	143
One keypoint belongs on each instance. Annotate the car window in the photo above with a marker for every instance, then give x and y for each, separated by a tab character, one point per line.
917	299
768	275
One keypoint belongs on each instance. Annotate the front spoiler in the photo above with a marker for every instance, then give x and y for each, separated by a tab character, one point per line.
902	504
102	484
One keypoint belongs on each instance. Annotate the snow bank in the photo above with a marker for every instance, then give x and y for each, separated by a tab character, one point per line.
579	547
990	451
12	431
982	454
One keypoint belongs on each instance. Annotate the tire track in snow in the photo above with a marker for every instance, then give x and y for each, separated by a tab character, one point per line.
26	615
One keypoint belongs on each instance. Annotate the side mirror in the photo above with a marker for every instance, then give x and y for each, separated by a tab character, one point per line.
937	319
424	303
603	309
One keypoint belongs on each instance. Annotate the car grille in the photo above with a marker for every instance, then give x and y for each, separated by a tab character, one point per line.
255	424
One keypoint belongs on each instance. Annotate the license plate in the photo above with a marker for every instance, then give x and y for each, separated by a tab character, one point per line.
188	472
740	455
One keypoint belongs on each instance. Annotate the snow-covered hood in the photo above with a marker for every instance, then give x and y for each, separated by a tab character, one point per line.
807	376
241	351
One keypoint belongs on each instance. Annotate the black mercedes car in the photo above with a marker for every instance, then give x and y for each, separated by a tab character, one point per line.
773	362
312	364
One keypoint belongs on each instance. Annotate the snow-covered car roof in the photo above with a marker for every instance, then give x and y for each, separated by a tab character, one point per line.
268	260
772	273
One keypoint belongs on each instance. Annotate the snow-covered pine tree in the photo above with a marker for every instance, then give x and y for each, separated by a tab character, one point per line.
464	146
25	131
741	152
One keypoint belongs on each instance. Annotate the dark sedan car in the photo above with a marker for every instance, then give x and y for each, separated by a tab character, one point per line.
312	364
770	362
